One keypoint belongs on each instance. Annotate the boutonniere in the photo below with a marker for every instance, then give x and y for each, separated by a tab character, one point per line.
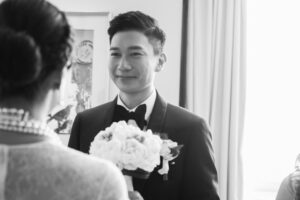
169	151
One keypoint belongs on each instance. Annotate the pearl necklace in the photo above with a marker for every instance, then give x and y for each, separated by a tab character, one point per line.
12	119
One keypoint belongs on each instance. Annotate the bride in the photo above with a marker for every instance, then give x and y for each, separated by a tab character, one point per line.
35	45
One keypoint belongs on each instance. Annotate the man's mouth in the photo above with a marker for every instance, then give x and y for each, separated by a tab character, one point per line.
125	76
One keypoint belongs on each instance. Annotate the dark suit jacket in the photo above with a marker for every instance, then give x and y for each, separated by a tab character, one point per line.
192	174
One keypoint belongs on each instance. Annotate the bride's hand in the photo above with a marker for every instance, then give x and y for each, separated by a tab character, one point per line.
135	195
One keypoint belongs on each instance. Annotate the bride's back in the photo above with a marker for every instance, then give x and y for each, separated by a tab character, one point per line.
46	170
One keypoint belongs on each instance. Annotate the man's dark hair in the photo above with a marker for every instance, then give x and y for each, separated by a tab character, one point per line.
138	21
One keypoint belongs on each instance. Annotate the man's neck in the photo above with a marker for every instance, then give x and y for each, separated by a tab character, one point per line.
131	100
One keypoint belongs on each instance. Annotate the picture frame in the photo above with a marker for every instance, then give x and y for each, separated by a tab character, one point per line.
88	85
98	22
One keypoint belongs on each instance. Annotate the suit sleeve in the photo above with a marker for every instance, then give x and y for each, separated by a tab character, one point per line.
200	174
74	141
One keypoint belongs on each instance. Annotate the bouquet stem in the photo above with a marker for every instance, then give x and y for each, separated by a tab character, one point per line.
129	183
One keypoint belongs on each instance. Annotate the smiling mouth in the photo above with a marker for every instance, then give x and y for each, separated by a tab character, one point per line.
125	76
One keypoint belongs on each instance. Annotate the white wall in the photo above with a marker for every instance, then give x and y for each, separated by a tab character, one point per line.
168	14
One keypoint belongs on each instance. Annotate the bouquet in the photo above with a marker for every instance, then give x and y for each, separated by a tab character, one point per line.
134	151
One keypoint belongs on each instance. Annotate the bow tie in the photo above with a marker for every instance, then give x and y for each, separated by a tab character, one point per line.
138	115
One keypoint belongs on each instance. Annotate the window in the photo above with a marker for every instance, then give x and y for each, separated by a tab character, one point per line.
272	121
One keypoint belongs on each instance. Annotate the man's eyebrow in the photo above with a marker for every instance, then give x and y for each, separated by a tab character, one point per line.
113	48
130	48
135	48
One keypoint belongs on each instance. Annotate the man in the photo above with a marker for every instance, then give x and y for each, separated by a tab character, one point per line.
136	55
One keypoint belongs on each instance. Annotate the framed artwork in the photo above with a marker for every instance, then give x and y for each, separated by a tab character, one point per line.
88	84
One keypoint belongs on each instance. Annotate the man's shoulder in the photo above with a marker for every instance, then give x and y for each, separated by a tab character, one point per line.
182	113
180	118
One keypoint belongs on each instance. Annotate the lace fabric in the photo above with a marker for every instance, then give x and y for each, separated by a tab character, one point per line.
3	161
49	171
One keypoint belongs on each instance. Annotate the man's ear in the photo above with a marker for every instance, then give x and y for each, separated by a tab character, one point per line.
161	61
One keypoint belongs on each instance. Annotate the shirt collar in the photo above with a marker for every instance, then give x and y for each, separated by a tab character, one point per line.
149	103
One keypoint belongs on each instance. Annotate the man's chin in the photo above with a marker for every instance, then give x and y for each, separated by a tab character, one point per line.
126	85
128	90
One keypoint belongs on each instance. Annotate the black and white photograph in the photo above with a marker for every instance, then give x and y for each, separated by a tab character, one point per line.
149	100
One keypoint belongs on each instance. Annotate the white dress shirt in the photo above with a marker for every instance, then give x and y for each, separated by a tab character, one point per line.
149	104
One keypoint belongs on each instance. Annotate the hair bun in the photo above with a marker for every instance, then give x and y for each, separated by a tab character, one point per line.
20	59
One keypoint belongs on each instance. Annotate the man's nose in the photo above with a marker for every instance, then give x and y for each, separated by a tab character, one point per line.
124	65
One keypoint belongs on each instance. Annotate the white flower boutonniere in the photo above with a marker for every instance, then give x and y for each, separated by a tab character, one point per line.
169	151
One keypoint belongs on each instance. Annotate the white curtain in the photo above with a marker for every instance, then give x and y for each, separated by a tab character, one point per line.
216	82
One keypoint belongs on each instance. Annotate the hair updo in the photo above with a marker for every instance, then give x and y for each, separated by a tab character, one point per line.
35	40
20	58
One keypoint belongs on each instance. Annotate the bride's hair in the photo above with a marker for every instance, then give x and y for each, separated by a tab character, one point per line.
35	40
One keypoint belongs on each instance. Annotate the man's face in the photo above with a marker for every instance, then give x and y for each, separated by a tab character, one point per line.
132	62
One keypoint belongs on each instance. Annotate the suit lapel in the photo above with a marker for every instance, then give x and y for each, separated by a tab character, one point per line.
157	117
109	113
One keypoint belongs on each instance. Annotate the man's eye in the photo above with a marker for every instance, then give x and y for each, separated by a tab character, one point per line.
115	54
136	54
